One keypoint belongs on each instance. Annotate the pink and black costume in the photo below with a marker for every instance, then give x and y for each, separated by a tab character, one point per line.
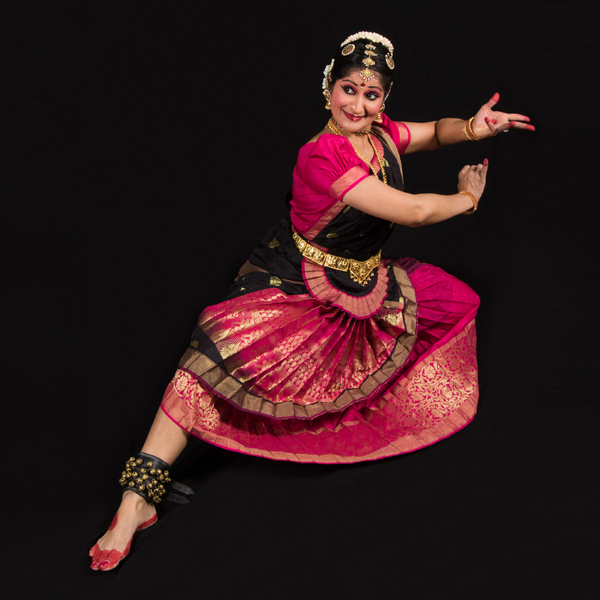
304	363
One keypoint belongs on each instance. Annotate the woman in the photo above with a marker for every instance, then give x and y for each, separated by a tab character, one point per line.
323	351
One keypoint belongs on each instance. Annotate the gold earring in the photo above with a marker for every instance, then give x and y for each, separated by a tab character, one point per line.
378	118
328	98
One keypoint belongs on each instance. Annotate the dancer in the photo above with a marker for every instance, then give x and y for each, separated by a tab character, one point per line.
324	351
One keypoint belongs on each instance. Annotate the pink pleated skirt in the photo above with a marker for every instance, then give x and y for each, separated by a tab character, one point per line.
307	382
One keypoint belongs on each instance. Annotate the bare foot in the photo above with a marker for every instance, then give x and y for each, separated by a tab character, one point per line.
134	514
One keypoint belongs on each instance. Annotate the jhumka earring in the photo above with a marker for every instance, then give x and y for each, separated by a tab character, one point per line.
378	118
328	98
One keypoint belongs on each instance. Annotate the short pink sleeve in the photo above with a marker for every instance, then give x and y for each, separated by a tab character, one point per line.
325	171
331	167
398	131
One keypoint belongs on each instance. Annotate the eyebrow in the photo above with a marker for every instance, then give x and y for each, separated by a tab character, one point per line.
371	87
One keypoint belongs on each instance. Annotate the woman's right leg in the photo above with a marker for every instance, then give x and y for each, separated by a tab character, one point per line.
166	440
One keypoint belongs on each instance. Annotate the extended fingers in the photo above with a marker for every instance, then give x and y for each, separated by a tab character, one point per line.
517	117
516	120
517	125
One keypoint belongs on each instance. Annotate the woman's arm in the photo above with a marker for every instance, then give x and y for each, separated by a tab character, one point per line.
486	123
375	198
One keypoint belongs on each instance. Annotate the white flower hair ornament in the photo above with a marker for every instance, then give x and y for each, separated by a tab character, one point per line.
375	38
327	72
326	92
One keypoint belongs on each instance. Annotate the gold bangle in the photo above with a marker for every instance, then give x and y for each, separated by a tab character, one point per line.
468	130
475	203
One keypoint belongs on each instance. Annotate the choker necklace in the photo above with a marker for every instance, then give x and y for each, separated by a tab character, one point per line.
336	129
358	133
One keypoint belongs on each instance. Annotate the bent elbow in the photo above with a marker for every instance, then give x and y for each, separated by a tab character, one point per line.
416	223
418	218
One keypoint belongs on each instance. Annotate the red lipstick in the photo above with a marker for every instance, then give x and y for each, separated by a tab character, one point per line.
352	117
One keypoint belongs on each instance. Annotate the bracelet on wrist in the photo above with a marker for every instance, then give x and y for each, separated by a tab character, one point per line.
475	203
468	130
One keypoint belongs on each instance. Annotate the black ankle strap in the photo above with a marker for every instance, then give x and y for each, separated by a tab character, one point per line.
148	476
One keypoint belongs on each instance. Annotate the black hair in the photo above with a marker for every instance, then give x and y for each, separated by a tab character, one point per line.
345	64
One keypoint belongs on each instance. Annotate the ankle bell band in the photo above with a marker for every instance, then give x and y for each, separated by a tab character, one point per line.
146	475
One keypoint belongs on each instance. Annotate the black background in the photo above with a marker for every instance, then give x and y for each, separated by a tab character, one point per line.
146	147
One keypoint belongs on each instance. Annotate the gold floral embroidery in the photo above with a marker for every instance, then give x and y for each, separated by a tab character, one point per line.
441	384
392	319
197	399
273	243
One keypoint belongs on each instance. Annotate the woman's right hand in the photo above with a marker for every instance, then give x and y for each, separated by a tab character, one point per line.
472	179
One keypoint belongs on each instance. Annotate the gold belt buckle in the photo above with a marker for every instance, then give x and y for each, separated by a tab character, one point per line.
361	271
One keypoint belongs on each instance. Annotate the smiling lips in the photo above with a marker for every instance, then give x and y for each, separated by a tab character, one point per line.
352	117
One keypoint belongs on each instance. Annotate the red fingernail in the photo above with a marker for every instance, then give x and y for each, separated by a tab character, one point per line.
527	119
486	119
530	127
485	161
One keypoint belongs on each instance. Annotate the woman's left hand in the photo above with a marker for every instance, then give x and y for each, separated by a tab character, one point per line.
488	122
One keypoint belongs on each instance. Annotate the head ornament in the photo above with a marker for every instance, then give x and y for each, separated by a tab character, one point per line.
370	50
373	37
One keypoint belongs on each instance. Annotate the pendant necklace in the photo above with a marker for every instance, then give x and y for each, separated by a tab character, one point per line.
335	128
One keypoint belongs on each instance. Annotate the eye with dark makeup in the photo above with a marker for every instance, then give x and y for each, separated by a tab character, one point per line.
373	96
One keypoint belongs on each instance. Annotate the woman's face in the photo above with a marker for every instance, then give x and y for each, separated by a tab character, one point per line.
354	102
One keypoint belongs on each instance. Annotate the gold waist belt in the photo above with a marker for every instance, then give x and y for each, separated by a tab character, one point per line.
360	271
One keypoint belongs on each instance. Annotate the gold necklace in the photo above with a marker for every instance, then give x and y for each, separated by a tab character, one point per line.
335	130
